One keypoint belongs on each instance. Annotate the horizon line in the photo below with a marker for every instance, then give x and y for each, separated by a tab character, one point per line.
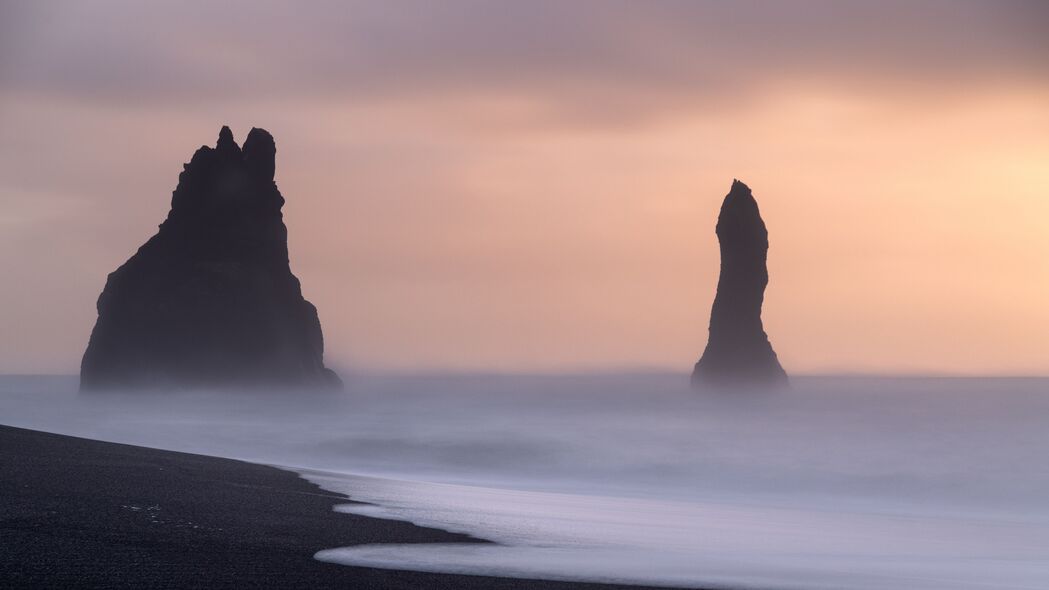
625	372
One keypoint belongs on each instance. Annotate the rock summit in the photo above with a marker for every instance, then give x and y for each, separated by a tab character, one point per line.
738	351
210	300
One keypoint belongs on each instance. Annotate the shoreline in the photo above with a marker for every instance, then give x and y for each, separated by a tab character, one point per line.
82	513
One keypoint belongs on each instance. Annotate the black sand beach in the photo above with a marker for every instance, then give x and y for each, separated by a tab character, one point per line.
78	513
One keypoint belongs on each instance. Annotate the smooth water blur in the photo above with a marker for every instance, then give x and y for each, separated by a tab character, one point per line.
837	483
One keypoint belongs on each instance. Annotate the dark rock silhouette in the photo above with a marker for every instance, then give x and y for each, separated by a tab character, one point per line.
738	351
210	300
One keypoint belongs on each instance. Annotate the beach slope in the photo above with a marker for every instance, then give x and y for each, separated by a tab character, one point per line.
79	513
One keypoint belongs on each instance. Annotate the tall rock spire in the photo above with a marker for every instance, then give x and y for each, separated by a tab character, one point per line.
738	351
210	300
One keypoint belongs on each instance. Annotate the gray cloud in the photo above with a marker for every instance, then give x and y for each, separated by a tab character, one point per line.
579	56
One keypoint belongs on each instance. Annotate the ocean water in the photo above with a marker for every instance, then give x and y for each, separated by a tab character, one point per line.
844	483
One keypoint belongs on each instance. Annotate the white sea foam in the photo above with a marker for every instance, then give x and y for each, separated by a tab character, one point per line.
856	483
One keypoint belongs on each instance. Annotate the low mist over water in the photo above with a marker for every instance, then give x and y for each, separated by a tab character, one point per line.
836	483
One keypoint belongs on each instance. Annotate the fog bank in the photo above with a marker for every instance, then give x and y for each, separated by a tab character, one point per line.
848	483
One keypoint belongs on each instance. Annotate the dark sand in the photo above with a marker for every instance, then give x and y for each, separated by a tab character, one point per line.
78	513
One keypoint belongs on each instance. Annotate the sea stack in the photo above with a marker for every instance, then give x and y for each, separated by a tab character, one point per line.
738	353
210	300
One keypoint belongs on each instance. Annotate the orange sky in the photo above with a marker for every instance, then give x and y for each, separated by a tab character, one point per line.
467	193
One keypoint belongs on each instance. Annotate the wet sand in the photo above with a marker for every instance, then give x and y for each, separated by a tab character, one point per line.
79	513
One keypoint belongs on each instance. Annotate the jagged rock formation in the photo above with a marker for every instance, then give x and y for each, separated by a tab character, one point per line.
210	300
738	351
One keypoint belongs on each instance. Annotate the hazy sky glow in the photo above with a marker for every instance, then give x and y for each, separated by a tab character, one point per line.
533	186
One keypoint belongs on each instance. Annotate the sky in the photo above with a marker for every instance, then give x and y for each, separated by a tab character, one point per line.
533	186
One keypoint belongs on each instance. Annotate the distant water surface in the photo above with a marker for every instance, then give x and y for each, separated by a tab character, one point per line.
850	483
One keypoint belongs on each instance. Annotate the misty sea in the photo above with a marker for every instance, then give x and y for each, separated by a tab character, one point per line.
849	483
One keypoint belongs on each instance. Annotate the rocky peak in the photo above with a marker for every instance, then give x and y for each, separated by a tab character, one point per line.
738	351
260	153
211	299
